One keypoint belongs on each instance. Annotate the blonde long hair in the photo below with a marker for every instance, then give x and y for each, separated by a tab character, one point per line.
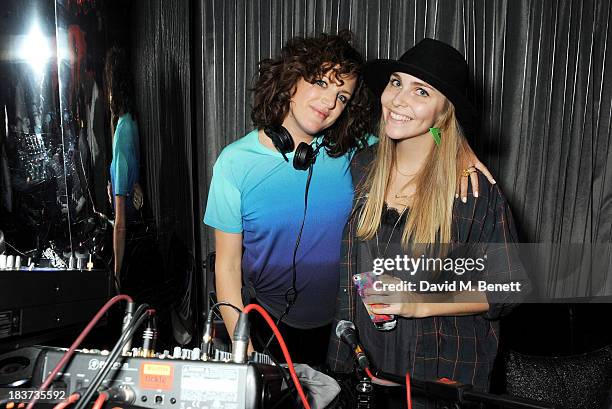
430	217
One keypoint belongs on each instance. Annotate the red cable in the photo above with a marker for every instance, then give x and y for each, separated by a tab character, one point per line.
102	397
408	397
283	346
67	402
76	343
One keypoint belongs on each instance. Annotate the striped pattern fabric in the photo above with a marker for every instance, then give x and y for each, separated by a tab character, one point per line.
461	348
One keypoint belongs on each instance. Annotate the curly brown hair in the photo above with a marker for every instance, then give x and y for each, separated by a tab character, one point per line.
119	82
311	58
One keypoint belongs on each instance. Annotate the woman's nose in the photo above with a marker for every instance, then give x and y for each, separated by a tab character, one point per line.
328	101
400	99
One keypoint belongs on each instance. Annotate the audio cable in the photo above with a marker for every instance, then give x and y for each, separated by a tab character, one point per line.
142	313
291	293
68	354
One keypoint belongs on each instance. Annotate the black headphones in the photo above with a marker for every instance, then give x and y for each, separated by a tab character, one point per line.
305	155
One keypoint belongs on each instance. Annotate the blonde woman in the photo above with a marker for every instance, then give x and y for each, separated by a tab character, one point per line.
405	195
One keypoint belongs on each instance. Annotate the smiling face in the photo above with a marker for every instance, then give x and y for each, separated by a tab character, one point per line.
315	106
410	106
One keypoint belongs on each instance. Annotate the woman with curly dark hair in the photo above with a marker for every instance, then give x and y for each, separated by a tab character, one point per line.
311	97
124	169
310	60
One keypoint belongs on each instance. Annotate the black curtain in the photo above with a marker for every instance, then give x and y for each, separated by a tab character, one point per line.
161	47
542	82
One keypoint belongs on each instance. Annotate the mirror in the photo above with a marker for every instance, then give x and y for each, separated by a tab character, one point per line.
32	177
55	145
54	133
84	123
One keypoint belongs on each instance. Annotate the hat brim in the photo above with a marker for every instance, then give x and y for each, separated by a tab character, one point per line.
376	75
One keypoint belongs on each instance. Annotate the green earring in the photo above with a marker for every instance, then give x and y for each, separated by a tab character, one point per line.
435	132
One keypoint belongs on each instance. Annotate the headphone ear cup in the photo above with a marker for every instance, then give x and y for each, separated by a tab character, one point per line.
304	156
281	139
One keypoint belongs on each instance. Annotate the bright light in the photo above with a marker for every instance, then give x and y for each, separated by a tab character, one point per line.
35	49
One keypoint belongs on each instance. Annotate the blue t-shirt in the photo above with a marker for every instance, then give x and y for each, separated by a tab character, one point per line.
125	166
256	193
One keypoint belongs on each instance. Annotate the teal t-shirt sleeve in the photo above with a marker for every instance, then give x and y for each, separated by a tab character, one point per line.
121	164
224	202
371	139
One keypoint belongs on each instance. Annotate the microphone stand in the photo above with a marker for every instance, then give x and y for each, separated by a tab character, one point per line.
452	391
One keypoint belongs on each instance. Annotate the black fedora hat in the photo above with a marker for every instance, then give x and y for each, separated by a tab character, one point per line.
438	64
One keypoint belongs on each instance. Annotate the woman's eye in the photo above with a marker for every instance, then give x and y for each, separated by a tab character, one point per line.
421	92
321	83
395	82
343	99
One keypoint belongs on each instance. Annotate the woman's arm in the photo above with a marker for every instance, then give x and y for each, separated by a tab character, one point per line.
119	233
411	304
429	305
228	276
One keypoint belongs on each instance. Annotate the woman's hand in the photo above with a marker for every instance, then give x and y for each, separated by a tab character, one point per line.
468	162
138	197
389	297
109	192
409	304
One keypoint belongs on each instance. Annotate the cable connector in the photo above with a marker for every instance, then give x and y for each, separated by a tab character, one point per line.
90	263
149	338
240	340
127	318
207	339
123	393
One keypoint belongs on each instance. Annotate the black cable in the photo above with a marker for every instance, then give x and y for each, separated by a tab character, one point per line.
282	399
220	304
139	317
208	326
291	390
16	249
292	290
93	387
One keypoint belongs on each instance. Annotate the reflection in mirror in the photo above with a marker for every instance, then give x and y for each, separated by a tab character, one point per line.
97	112
56	135
32	179
83	124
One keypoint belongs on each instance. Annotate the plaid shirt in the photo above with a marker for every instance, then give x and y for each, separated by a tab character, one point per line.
462	348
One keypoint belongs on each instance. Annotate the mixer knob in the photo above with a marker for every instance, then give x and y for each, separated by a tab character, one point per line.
177	353
10	262
186	354
195	354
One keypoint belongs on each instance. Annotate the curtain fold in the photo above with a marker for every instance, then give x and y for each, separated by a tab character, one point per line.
161	59
541	80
